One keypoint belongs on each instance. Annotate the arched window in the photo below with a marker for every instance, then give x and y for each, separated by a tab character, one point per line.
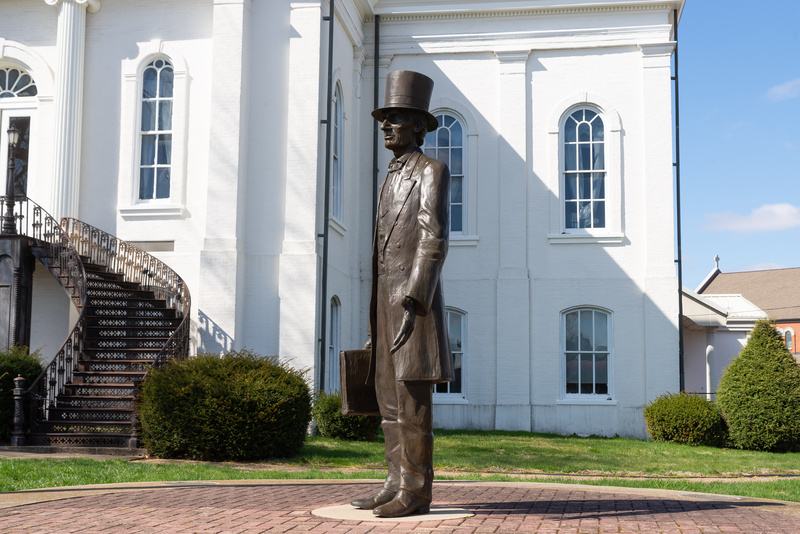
586	338
332	363
446	143
16	82
337	203
584	170
16	86
788	337
457	328
156	130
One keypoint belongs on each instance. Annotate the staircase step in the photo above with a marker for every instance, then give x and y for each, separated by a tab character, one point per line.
127	343
77	439
85	427
109	332
119	293
121	389
104	276
125	302
96	401
106	377
122	354
120	416
135	321
124	311
114	366
111	284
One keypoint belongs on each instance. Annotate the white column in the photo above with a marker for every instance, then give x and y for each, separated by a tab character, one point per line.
513	408
70	44
222	262
711	340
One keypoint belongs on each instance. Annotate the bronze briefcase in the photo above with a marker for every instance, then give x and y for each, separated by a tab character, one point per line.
358	388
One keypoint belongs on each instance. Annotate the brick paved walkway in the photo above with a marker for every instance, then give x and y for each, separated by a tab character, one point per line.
272	506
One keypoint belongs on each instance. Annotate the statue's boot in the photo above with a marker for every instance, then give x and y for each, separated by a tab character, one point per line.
392	483
416	476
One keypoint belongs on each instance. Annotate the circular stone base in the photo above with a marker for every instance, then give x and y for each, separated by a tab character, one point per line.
348	513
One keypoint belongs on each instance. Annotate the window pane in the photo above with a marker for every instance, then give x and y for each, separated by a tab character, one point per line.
584	134
443	154
589	115
164	149
162	183
597	130
571	186
456	190
149	83
448	120
789	340
599	185
599	215
570	128
165	115
148	149
430	140
455	385
598	161
571	215
570	157
585	186
572	373
145	183
577	116
430	152
600	331
443	137
456	161
441	388
454	329
584	155
148	116
601	374
456	218
585	215
587	326
587	374
571	331
456	134
165	86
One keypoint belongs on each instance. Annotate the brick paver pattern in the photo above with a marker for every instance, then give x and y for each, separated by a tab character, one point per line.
287	508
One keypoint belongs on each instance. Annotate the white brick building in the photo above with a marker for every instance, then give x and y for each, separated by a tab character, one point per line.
560	278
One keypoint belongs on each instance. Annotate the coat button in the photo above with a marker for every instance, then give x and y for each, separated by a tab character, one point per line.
402	267
398	245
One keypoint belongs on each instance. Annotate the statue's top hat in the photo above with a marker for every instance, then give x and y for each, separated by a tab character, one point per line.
406	89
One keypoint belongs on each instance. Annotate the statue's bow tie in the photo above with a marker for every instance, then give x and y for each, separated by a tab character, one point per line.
395	165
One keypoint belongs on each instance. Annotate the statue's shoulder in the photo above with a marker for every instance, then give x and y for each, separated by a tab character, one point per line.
433	167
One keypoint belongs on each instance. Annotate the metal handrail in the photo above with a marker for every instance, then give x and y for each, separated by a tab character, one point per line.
136	265
54	249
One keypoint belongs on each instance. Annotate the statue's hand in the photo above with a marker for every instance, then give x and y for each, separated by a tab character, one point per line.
368	344
409	318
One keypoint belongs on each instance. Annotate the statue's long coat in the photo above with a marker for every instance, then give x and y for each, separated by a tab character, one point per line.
409	248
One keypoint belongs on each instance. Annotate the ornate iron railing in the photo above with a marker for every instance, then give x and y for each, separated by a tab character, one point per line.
56	252
138	266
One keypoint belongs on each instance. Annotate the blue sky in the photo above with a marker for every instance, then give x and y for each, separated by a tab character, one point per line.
739	80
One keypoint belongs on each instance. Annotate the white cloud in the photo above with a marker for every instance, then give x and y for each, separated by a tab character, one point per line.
784	91
766	218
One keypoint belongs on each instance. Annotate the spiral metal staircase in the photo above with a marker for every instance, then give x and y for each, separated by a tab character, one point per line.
134	314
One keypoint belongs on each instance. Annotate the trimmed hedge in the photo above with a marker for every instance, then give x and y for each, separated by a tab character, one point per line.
684	418
240	406
15	361
332	423
759	394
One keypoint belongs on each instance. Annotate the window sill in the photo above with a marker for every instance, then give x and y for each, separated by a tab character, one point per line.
147	210
587	402
570	239
334	223
460	240
449	398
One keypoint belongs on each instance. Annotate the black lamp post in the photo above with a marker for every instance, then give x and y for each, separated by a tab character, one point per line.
9	224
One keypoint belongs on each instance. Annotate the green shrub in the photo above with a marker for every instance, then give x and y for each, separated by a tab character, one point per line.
15	362
759	394
683	418
332	423
240	406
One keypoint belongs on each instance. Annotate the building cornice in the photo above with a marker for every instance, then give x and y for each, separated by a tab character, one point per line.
439	12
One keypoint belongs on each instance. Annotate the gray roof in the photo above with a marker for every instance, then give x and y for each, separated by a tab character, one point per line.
776	291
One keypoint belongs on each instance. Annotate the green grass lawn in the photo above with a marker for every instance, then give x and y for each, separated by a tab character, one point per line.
508	456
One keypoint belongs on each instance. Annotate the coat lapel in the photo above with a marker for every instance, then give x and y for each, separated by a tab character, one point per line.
402	191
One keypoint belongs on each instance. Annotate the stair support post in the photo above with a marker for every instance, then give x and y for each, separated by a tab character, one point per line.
18	434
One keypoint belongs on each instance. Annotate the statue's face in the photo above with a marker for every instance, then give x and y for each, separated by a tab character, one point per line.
398	130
